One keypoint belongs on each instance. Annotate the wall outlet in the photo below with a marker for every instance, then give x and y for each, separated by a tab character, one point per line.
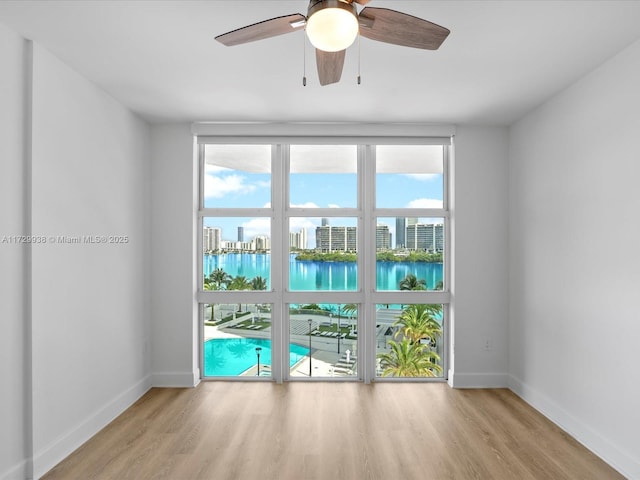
488	346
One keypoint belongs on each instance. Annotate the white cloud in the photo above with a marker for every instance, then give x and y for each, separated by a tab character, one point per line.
313	205
424	203
257	226
424	177
218	187
298	223
305	205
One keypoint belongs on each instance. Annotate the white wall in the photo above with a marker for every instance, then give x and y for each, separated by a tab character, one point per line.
14	403
173	312
481	271
575	262
480	263
75	323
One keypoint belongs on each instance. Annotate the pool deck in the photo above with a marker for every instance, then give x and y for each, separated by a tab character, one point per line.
321	366
324	350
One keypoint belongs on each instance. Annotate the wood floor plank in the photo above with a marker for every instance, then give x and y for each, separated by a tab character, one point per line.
330	431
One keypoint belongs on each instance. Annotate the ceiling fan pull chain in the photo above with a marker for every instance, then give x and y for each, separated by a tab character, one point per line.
304	59
358	58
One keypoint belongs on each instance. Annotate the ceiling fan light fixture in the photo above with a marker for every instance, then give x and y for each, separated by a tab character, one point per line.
332	25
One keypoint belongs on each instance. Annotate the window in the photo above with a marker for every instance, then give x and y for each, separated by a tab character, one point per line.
323	259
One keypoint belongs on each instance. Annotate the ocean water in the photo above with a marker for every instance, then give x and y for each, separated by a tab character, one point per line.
312	276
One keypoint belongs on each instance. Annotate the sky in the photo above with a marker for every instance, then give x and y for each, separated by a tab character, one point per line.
321	176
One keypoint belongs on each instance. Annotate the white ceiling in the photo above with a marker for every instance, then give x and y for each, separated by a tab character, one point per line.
160	59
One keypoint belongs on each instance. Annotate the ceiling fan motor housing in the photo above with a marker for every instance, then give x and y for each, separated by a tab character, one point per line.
332	25
315	5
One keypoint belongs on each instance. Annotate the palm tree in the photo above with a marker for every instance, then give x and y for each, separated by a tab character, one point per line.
418	322
411	282
239	283
258	283
408	359
209	285
219	278
350	309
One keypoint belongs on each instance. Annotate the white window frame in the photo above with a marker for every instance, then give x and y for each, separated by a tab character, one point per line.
366	295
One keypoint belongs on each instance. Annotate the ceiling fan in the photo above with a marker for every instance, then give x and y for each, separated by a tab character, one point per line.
333	25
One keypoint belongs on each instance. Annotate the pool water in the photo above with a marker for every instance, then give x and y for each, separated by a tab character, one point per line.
230	357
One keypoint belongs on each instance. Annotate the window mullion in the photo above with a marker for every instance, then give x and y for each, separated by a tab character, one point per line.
367	325
279	245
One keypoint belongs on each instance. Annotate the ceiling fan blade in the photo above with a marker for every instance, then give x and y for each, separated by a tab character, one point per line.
265	29
329	66
362	2
399	28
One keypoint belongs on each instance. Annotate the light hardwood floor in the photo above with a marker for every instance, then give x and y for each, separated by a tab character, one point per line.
337	431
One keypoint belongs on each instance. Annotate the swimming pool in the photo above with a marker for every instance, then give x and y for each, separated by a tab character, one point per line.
229	357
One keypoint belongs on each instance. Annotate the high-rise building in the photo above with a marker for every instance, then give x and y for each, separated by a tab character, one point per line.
336	239
262	243
383	237
401	232
304	242
325	222
298	240
426	237
323	239
352	239
439	237
241	234
211	239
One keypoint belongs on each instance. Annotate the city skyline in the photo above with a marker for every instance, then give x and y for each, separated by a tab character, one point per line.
419	235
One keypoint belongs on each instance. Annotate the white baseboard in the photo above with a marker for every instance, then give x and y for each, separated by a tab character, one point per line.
17	472
478	380
175	379
48	457
622	461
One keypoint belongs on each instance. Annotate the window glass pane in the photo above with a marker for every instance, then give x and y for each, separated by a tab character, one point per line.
329	332
237	176
409	176
409	341
236	253
322	254
416	260
323	176
237	340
